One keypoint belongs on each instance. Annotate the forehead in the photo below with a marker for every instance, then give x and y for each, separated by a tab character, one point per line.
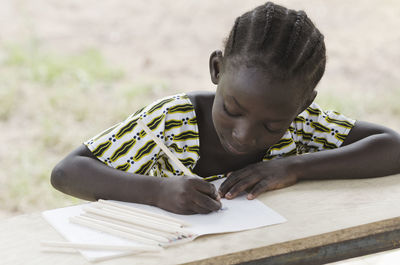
260	93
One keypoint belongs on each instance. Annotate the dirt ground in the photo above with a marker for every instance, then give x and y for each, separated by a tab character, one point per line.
172	40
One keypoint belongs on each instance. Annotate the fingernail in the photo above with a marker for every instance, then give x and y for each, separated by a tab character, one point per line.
228	195
250	197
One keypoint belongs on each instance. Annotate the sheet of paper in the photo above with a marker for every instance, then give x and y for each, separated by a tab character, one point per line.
237	215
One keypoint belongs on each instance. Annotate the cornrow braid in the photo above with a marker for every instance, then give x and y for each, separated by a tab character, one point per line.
269	14
231	40
301	16
285	42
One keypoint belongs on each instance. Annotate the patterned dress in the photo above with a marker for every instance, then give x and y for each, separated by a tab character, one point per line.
126	146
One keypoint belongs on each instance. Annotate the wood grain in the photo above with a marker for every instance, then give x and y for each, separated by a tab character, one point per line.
327	221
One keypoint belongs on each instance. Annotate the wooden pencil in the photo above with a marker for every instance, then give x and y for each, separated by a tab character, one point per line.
71	245
132	219
153	236
170	236
137	214
163	147
141	211
137	221
80	221
59	250
137	218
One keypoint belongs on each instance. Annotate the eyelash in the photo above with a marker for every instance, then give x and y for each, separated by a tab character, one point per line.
237	115
272	131
230	114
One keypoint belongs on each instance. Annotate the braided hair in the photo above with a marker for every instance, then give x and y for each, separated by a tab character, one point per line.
282	41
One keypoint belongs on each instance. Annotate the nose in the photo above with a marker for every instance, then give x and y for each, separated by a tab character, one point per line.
244	134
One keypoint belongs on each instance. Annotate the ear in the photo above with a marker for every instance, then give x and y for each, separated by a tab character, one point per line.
216	66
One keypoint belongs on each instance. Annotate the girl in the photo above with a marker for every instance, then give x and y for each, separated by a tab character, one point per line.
260	128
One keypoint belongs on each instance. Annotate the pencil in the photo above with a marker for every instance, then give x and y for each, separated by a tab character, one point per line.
163	147
56	244
137	221
144	212
81	221
169	236
135	231
138	217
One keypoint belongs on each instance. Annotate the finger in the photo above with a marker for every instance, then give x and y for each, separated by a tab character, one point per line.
242	185
199	210
206	202
186	212
232	179
259	188
206	188
249	189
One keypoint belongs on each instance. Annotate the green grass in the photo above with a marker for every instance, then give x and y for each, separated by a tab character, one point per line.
46	67
8	100
361	106
50	103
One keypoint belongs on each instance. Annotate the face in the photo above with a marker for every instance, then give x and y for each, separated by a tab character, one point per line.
251	112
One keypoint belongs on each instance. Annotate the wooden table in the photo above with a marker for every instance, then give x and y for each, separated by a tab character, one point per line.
327	221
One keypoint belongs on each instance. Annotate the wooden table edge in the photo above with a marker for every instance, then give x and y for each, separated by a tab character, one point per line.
320	249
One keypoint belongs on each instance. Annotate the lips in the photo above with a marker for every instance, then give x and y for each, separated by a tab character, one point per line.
228	147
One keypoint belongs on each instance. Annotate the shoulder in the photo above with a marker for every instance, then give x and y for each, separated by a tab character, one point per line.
164	106
321	129
315	113
201	97
202	100
165	103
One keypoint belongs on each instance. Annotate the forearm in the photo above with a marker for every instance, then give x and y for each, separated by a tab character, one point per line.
374	156
89	179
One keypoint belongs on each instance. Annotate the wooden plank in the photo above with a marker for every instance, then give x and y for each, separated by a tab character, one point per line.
329	247
327	220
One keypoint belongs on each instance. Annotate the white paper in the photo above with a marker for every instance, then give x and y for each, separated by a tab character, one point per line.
237	215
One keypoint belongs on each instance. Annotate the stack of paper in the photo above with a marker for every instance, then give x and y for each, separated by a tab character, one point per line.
238	214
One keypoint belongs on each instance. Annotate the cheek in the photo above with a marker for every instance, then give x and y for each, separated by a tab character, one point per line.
222	122
269	140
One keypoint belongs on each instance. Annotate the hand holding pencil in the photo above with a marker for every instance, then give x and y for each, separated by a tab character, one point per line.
186	194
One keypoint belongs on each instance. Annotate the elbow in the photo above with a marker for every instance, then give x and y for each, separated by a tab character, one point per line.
395	143
58	177
397	137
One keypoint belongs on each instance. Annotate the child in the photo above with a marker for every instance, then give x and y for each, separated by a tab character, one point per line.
260	128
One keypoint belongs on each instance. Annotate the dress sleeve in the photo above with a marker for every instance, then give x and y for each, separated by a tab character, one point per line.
317	130
312	130
125	146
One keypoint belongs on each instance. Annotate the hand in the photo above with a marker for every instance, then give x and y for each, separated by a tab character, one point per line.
257	178
188	195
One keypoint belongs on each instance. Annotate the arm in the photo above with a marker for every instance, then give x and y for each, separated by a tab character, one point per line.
369	151
82	175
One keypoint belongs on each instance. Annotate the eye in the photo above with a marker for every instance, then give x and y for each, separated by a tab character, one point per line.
279	131
230	113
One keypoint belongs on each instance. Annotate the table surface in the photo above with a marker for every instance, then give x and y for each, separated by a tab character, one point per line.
319	213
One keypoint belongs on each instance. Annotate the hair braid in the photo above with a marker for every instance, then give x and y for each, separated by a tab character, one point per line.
269	10
231	41
298	25
284	42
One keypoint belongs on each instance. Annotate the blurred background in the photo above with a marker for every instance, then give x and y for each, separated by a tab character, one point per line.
69	69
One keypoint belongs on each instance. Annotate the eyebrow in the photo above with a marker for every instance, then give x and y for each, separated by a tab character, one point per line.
241	107
237	103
